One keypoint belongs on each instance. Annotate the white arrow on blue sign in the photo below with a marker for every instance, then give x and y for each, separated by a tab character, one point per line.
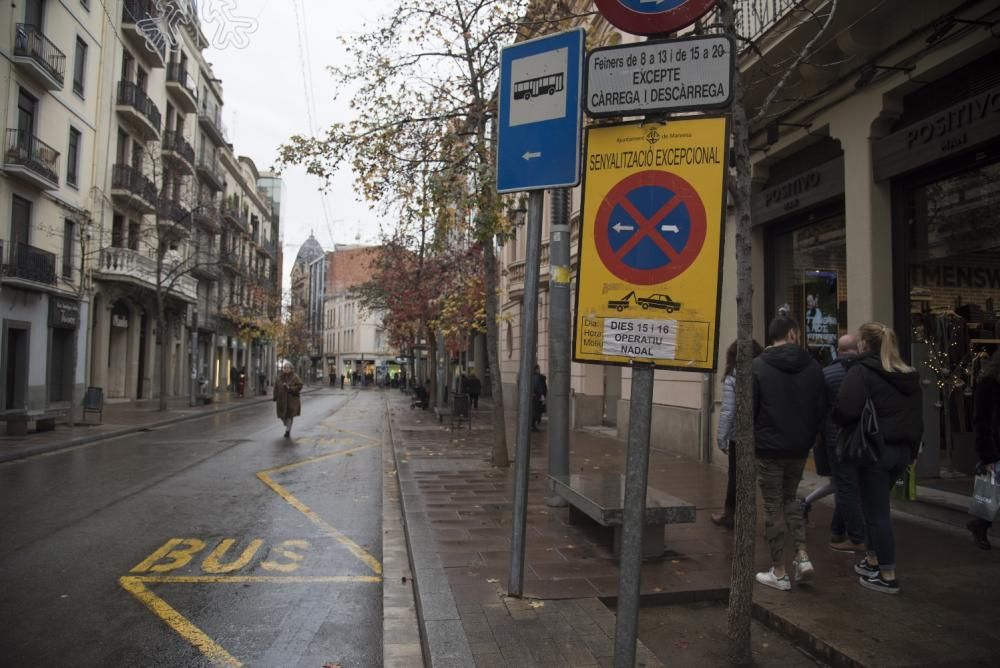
538	140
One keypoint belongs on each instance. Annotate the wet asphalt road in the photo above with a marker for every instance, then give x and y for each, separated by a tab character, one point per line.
211	542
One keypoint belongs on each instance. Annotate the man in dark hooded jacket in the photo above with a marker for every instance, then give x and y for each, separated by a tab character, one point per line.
789	407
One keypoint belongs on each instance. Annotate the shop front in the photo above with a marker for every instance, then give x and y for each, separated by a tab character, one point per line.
805	246
943	161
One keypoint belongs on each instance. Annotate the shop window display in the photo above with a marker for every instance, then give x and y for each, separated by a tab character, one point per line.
953	226
809	281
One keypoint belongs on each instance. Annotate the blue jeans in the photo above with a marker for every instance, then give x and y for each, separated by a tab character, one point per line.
876	483
847	516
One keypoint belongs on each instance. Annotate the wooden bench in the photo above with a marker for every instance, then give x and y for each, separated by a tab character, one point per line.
460	411
45	420
601	498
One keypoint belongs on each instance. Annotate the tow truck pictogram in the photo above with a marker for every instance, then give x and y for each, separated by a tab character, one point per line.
656	301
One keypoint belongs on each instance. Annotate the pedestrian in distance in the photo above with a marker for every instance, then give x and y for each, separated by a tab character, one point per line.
789	406
894	388
847	528
725	437
287	389
986	418
539	390
475	389
342	381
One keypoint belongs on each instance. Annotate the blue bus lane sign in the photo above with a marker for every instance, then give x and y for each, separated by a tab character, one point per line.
540	113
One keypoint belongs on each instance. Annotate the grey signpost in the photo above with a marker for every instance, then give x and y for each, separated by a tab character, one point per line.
559	339
653	77
538	147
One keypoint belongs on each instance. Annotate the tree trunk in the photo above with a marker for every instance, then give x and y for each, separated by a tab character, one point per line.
741	584
164	350
499	458
432	362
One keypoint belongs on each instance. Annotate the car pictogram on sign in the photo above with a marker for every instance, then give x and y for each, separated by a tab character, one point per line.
659	301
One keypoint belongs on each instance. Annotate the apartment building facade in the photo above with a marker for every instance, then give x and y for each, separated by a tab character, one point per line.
51	122
875	198
354	339
144	175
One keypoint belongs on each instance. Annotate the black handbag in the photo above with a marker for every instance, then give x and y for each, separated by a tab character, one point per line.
861	444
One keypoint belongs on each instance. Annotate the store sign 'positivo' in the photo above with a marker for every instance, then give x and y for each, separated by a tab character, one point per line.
693	73
962	126
809	188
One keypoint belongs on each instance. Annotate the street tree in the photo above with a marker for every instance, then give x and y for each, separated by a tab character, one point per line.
744	119
424	103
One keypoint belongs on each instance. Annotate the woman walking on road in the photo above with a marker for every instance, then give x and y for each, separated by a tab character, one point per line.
287	388
894	388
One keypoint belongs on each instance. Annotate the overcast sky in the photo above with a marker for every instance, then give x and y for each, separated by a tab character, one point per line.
265	103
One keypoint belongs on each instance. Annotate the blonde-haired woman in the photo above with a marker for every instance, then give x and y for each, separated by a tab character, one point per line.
894	388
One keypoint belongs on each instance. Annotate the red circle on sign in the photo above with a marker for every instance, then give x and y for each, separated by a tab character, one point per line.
683	195
650	23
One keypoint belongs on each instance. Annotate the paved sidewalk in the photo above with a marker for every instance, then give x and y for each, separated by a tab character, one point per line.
121	418
457	510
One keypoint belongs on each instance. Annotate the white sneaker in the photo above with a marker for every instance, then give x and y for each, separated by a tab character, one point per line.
769	579
803	570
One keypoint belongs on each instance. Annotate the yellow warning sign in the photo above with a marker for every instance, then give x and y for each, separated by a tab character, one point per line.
651	244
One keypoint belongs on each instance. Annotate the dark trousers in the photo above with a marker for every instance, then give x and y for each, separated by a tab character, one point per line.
848	519
876	483
731	484
475	400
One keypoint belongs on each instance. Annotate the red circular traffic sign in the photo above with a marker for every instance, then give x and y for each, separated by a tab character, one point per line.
649	17
650	227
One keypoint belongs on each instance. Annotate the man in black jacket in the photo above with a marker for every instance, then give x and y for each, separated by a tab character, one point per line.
789	406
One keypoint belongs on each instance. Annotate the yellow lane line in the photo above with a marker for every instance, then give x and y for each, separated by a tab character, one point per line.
353	547
251	579
359	435
175	620
313	460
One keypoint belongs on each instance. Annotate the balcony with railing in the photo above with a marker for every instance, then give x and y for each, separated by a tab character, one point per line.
132	190
138	110
206	264
174	217
209	170
181	86
177	151
132	267
141	26
231	260
267	247
38	57
232	214
25	265
210	119
29	159
207	215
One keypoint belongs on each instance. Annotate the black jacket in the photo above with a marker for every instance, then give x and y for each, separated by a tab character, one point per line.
987	420
896	396
789	402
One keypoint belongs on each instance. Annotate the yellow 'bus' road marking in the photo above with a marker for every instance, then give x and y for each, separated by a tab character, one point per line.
178	622
278	489
251	579
313	460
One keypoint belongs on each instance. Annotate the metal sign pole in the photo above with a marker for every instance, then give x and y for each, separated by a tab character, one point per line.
529	344
633	517
559	340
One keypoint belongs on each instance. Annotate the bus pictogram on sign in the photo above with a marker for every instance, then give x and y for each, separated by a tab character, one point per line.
650	228
550	85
